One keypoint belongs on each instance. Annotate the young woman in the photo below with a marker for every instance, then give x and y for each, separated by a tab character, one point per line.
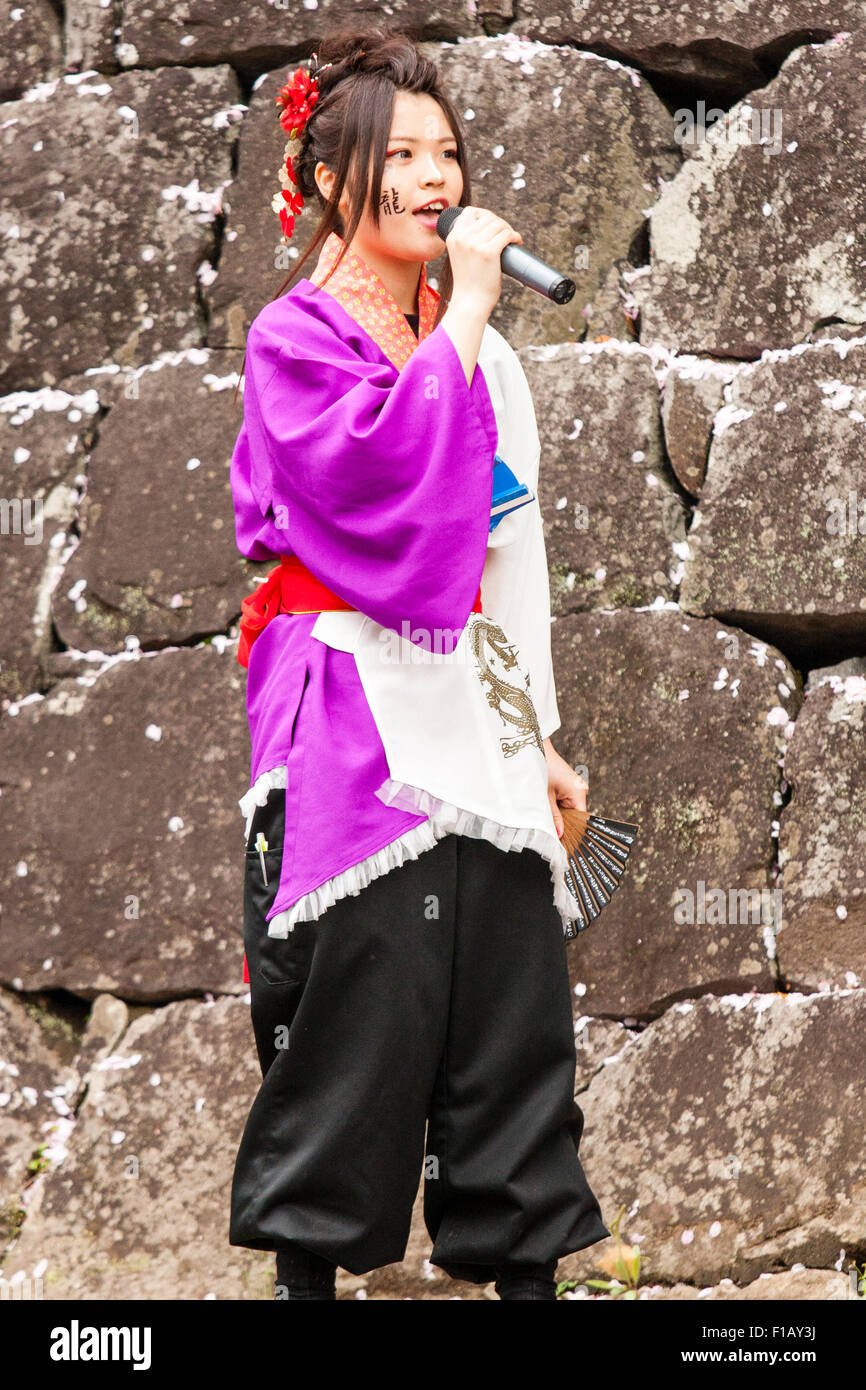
404	902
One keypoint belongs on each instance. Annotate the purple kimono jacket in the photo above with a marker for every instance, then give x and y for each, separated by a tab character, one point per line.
380	481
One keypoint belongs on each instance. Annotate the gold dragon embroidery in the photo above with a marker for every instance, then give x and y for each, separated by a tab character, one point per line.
513	704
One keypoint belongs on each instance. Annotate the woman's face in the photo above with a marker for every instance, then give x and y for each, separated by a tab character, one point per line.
420	165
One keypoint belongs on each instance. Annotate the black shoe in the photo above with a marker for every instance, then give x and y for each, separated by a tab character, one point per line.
527	1281
303	1274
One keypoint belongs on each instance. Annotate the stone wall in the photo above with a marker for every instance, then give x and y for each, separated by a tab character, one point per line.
702	409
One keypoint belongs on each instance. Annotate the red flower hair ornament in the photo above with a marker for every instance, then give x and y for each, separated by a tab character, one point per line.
297	99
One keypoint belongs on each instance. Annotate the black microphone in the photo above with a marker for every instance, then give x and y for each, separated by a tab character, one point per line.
519	263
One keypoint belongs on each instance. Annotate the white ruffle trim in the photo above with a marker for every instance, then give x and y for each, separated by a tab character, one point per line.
258	794
452	819
352	880
443	819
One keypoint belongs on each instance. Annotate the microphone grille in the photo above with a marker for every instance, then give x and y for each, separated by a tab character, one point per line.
446	219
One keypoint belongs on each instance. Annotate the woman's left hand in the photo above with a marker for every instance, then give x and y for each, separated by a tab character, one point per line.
564	785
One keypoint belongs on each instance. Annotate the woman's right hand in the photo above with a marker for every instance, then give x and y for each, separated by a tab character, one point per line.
475	245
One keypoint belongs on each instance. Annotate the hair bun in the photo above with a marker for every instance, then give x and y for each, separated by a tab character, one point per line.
345	51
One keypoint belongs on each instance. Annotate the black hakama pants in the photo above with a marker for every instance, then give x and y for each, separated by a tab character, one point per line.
438	996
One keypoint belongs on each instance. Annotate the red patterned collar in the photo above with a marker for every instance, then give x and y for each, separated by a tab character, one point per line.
367	299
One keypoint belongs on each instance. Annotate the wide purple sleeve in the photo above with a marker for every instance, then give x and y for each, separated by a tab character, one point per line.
379	481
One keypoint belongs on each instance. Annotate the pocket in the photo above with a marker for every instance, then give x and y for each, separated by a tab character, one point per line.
275	960
288	960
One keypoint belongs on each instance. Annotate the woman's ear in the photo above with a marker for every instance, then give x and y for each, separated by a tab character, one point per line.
324	179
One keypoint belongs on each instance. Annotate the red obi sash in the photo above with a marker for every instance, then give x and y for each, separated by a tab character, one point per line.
289	588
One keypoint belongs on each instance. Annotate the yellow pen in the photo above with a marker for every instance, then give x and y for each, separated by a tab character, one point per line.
261	845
